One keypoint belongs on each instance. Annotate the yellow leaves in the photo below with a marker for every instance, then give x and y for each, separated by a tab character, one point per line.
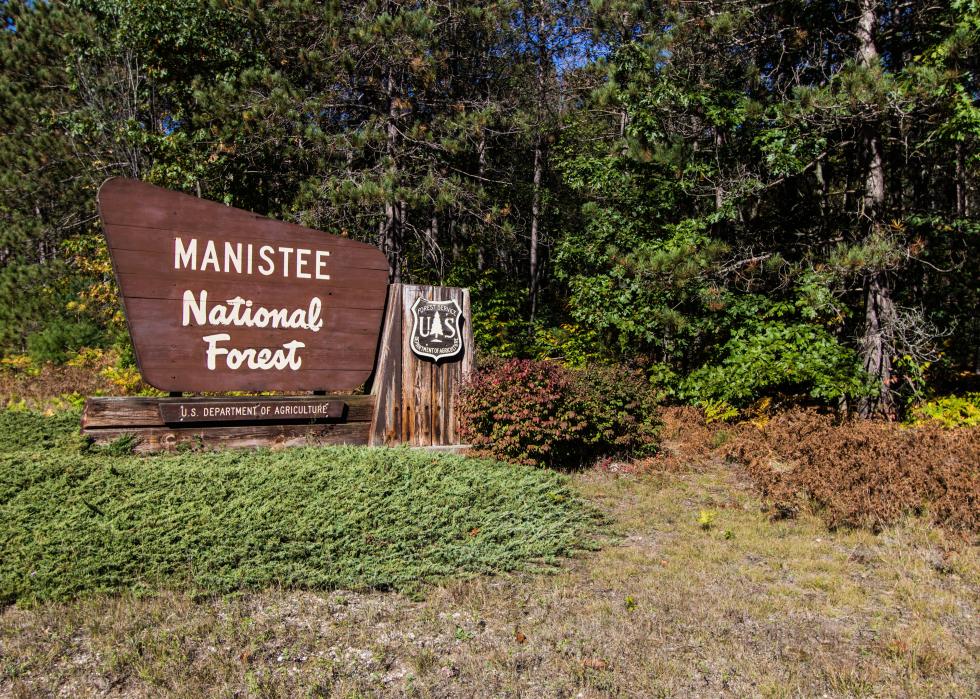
87	357
125	380
706	519
759	411
16	362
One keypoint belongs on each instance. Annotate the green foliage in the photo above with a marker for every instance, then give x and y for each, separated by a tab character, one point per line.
25	430
574	345
59	341
499	324
778	358
74	524
700	199
949	411
540	413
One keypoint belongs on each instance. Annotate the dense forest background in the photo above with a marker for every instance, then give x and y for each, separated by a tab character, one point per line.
745	199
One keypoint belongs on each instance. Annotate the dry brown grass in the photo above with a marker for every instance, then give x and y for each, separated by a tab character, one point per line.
47	386
744	607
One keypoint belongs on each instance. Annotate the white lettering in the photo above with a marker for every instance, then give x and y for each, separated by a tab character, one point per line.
321	264
196	308
262	359
285	260
213	350
184	257
233	257
210	257
265	253
240	313
301	254
239	258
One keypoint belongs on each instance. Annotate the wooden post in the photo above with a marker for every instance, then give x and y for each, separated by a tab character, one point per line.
415	391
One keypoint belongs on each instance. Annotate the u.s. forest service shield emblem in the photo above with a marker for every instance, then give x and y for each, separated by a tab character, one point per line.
435	329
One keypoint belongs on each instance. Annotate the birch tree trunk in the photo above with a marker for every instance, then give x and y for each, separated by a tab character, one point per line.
535	218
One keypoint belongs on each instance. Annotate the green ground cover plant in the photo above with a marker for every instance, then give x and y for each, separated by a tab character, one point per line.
73	523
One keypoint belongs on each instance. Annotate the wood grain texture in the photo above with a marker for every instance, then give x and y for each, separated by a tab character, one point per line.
249	410
154	439
142	224
416	397
136	411
386	388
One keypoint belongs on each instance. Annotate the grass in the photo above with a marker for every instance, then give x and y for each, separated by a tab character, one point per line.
748	607
73	523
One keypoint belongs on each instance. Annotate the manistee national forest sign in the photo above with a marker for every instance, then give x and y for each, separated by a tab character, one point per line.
221	299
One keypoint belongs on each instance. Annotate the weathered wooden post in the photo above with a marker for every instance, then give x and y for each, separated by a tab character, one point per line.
426	353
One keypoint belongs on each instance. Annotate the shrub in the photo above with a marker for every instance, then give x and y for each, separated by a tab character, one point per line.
862	473
777	358
62	339
950	411
542	413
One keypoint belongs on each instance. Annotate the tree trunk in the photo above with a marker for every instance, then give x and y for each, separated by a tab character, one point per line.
877	343
961	209
539	155
535	218
877	340
391	229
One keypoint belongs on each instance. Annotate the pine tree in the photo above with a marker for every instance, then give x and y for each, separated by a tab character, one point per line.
436	330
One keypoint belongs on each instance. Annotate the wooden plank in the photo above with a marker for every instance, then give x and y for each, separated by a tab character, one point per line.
135	262
152	243
164	244
449	379
156	208
138	411
352	297
417	375
153	439
469	346
386	387
461	369
191	412
437	375
408	398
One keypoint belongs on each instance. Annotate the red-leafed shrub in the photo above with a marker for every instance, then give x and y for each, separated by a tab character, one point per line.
542	413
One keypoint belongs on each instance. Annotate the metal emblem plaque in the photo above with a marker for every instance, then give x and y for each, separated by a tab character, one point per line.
435	329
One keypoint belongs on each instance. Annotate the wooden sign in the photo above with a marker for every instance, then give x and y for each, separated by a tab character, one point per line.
251	410
221	299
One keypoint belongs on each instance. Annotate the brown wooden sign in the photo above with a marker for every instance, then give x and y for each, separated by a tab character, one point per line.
221	299
251	410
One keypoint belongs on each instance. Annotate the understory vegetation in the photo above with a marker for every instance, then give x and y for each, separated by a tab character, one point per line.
863	474
543	414
849	473
743	199
76	522
698	592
